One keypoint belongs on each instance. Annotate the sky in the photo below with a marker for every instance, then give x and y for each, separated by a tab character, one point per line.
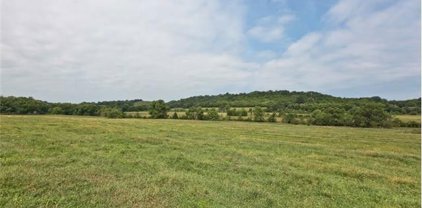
95	50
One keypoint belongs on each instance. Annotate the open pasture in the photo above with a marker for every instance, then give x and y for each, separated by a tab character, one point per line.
70	161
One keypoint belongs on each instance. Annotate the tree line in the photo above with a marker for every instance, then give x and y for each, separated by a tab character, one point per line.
367	115
297	102
364	113
29	105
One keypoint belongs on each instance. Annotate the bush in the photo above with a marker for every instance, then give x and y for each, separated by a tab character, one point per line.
55	110
111	112
195	113
367	115
272	118
370	115
175	116
258	114
158	109
213	115
234	112
413	124
290	118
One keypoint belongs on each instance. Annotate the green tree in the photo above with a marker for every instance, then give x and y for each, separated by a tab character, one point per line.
55	110
195	113
290	118
272	118
158	109
243	112
371	115
175	116
200	114
213	114
258	114
111	112
300	100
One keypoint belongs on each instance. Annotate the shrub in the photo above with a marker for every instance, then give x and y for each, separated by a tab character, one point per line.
111	112
158	109
413	124
258	114
290	118
213	115
175	116
272	118
55	110
195	113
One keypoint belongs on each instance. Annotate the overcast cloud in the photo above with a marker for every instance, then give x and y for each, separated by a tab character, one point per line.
91	50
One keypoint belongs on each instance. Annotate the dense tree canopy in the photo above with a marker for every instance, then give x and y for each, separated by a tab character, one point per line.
297	102
158	109
310	108
23	105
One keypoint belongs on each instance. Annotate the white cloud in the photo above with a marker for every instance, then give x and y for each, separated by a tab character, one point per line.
99	50
269	29
266	34
373	44
82	50
284	19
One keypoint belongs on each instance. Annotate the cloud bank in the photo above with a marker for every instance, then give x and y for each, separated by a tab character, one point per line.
89	50
368	45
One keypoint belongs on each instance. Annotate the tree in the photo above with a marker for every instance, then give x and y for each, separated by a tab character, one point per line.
213	115
87	109
290	118
111	112
243	112
22	105
195	113
55	110
231	112
370	115
258	114
272	118
225	108
300	100
158	109
200	114
175	116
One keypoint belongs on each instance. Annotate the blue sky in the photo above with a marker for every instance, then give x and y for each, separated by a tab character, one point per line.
306	14
92	50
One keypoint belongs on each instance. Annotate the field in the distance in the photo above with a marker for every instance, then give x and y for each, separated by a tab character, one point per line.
145	114
49	161
407	118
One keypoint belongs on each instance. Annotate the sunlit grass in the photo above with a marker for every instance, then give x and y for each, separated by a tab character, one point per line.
96	162
407	118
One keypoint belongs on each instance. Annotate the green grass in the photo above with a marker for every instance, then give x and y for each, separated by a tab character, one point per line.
407	118
59	161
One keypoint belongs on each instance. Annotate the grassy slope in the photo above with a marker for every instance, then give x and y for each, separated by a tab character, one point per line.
82	161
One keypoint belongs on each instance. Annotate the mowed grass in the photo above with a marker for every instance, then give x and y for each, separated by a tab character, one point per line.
407	118
59	161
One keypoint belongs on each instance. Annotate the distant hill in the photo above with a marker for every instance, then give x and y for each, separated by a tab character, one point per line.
302	101
256	98
275	101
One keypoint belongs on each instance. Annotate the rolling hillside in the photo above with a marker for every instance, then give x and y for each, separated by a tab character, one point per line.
276	100
282	100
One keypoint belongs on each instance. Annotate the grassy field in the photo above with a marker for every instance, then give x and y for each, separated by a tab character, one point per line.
59	161
145	114
407	118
